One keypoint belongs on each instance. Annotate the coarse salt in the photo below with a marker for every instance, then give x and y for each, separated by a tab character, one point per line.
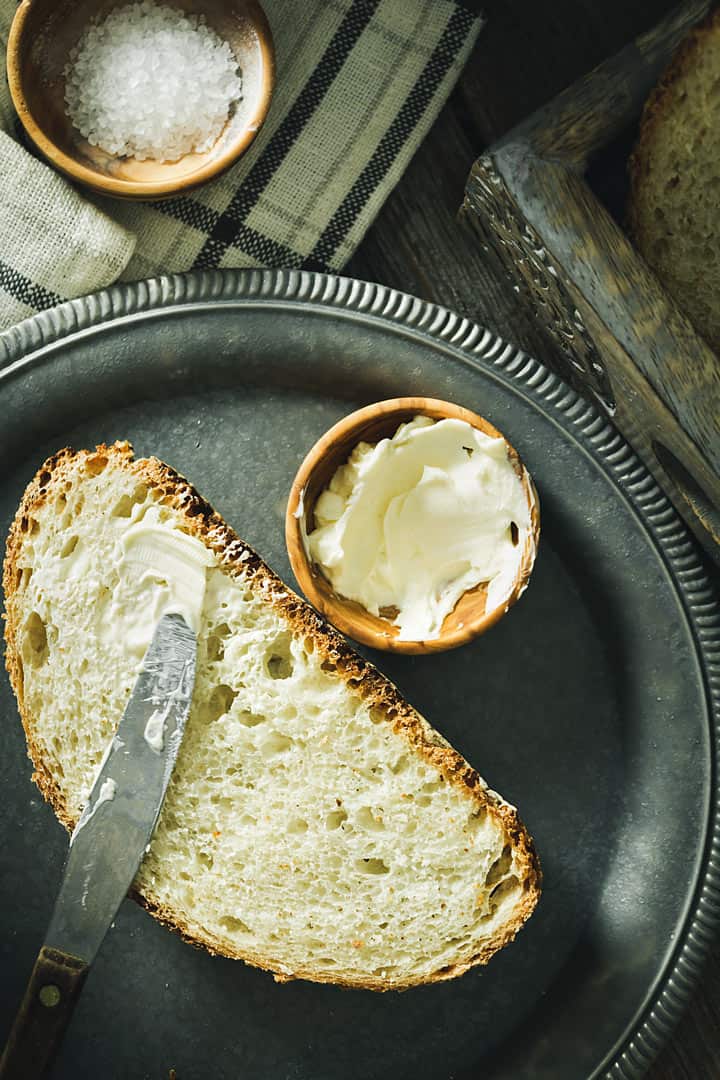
149	81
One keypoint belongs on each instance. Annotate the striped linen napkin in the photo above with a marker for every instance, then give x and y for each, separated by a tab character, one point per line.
359	83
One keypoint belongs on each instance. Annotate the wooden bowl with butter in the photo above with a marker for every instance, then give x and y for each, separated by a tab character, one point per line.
422	519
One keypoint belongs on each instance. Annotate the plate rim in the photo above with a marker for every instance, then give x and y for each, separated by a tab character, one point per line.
636	1049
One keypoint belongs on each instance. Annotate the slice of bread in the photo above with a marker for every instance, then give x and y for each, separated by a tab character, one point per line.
674	207
315	825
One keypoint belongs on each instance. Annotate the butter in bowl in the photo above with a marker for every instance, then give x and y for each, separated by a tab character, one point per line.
413	525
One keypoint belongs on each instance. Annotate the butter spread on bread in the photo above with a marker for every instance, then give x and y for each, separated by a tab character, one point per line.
315	824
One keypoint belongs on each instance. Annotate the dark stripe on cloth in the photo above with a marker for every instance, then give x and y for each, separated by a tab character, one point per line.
401	129
25	290
228	229
220	233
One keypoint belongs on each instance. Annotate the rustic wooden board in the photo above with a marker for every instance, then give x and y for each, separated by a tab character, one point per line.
617	334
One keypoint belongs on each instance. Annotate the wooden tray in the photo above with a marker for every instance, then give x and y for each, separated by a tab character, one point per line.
621	338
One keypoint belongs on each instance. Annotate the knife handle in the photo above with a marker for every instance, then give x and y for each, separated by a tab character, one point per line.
54	987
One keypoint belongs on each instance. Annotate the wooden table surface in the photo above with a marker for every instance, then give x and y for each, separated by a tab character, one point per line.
526	54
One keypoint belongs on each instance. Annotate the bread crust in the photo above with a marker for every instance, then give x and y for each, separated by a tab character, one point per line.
238	558
654	114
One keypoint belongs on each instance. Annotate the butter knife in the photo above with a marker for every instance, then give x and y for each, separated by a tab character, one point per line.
107	846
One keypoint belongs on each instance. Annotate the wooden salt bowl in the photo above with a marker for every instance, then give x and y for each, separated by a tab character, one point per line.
41	36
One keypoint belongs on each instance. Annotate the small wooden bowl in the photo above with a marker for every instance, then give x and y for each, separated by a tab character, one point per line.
469	618
41	36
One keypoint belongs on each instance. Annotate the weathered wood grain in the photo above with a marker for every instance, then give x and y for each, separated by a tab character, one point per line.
618	331
591	111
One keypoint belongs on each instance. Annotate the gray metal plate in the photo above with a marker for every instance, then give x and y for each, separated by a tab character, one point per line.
589	706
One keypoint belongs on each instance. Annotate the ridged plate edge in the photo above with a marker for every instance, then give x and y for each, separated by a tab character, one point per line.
632	1059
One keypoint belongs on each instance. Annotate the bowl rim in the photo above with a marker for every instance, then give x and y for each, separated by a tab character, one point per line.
137	189
338	610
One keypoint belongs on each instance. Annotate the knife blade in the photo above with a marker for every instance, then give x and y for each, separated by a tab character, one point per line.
107	844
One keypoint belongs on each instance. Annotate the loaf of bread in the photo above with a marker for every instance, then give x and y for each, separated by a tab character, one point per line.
315	825
674	208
